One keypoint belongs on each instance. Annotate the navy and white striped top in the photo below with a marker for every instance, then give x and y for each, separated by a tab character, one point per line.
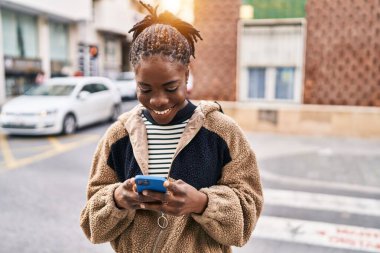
163	140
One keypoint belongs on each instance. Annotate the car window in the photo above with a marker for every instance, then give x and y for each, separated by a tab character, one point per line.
100	87
94	87
89	87
51	90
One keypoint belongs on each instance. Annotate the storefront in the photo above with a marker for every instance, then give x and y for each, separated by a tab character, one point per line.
59	48
88	62
20	75
20	46
116	54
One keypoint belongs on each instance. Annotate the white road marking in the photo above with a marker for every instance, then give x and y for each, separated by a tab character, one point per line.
318	233
318	201
304	182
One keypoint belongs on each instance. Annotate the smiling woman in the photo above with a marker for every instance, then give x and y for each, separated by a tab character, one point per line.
213	194
161	87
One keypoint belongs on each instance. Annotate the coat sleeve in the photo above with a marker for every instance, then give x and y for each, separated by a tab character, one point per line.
235	203
101	220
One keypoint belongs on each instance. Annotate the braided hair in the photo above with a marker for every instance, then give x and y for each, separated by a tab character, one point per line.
164	34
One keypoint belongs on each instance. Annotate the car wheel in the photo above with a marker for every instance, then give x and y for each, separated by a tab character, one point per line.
69	124
116	111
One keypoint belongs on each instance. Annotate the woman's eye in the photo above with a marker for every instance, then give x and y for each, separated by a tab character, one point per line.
145	91
172	89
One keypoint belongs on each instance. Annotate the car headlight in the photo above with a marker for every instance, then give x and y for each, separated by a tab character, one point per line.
45	113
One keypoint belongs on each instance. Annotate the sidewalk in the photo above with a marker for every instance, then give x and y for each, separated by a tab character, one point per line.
321	194
348	162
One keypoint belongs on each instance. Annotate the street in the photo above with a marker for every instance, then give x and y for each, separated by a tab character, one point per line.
322	194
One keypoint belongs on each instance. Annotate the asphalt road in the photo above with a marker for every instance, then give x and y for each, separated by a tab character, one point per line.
321	194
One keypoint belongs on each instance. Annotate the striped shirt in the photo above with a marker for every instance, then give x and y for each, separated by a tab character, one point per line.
162	144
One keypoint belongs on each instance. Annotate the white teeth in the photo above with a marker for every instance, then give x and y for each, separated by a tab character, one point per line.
163	112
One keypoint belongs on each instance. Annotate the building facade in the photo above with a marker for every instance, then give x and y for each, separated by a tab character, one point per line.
289	51
343	53
215	72
271	60
272	51
34	37
72	37
308	70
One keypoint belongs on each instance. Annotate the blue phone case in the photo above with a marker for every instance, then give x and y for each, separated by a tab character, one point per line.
152	183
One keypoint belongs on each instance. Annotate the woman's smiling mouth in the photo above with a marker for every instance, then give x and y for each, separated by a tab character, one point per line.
163	112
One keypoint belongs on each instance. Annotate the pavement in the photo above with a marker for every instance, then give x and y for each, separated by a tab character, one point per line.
322	194
350	162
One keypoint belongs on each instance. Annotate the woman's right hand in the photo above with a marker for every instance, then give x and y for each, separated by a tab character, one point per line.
127	197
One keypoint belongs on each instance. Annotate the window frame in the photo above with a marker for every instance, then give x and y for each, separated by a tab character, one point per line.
270	84
286	49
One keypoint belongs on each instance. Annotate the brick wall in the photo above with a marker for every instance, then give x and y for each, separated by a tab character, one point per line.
214	68
343	52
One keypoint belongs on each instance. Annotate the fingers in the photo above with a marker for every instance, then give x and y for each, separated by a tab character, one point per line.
156	201
148	198
129	184
155	196
124	195
154	206
174	202
175	187
167	198
173	196
130	197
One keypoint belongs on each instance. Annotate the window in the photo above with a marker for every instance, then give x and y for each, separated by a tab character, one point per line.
256	87
110	51
89	87
21	38
271	61
100	87
271	83
51	90
10	30
284	83
93	88
59	40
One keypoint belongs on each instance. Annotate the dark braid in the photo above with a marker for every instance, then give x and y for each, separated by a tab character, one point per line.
164	34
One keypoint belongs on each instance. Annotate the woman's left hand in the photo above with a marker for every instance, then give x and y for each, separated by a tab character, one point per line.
180	199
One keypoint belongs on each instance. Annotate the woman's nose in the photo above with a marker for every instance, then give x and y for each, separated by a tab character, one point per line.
159	101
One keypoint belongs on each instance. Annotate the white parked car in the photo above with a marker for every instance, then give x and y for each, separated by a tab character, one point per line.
61	105
126	84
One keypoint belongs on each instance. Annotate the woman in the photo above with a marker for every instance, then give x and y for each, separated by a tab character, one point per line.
214	195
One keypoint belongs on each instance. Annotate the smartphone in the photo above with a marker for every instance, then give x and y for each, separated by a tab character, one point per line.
152	183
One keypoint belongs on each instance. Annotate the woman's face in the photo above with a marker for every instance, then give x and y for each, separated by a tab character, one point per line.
161	87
